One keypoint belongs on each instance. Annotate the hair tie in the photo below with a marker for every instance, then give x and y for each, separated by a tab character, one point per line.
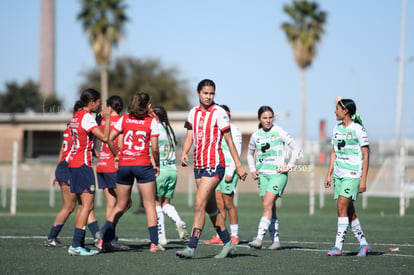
357	118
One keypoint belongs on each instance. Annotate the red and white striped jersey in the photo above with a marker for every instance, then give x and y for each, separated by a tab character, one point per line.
137	136
106	161
207	129
66	144
81	125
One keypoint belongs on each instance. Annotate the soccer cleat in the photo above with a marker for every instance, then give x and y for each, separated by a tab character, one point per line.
335	252
228	249
274	246
235	240
186	253
182	231
214	240
98	244
256	243
156	248
162	240
53	243
81	251
363	250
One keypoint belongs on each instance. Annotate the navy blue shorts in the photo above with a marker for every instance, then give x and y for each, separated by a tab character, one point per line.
106	180
210	172
82	180
62	173
127	174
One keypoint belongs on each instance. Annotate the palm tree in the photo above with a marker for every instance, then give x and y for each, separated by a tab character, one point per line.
303	34
103	21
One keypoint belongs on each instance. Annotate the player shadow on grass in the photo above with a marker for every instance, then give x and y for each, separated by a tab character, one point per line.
132	248
372	253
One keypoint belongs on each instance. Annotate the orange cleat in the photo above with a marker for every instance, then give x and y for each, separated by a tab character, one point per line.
214	240
156	248
235	240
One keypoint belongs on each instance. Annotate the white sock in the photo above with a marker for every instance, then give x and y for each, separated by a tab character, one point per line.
358	233
160	221
340	235
172	213
275	224
234	228
263	227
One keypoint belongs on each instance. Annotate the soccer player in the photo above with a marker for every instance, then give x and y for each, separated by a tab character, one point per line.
83	128
107	167
138	130
227	186
62	178
206	125
349	164
270	170
167	179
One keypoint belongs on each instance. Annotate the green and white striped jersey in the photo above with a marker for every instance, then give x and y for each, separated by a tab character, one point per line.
166	149
347	144
270	149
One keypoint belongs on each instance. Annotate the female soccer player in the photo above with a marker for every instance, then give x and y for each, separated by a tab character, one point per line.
62	178
107	167
138	130
83	128
227	186
349	164
206	125
167	179
268	144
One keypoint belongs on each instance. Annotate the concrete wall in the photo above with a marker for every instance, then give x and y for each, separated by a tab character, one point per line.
9	134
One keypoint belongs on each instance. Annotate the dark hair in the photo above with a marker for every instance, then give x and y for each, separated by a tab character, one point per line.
226	108
205	82
161	113
261	110
116	103
86	96
138	107
349	104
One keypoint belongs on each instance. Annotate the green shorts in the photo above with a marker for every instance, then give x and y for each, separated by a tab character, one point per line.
228	187
346	187
166	182
272	183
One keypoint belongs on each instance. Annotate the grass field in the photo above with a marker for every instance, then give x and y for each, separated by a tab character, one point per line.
305	240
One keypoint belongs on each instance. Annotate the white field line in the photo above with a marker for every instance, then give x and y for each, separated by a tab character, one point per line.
144	240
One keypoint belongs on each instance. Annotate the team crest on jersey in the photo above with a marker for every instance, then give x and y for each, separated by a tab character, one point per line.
200	134
201	123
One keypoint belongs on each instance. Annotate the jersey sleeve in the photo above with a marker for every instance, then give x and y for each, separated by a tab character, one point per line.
118	125
286	138
88	122
362	136
155	130
223	120
237	137
190	118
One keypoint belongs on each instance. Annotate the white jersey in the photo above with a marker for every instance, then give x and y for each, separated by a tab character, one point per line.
237	137
270	149
347	144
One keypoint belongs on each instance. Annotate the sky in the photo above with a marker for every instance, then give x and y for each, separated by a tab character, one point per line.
239	44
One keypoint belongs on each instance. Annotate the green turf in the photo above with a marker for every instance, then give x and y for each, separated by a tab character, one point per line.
305	240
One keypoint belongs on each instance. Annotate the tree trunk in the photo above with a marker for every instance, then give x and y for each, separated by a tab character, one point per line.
303	102
104	84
